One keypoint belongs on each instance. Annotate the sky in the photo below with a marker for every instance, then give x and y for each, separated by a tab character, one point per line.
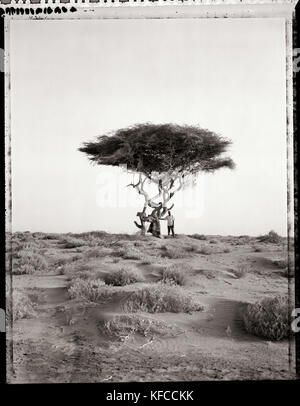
74	80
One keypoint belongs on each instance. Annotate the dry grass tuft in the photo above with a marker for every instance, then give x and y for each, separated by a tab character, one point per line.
127	253
71	242
191	248
28	262
20	306
132	254
121	277
118	252
281	263
78	270
120	327
204	250
146	262
97	252
46	236
172	252
88	290
198	236
268	318
173	275
272	237
161	298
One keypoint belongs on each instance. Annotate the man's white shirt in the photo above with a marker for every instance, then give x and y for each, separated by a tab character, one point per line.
170	220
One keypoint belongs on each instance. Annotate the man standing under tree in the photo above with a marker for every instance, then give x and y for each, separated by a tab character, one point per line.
170	219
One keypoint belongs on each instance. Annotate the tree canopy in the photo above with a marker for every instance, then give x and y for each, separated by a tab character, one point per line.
161	148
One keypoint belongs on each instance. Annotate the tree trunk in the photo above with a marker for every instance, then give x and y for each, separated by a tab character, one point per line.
143	218
142	227
159	209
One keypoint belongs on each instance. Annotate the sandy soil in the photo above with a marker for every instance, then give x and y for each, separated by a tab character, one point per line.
63	343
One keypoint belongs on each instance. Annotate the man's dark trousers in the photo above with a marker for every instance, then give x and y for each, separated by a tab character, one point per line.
171	229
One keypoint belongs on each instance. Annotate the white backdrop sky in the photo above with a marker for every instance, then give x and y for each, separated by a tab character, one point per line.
74	80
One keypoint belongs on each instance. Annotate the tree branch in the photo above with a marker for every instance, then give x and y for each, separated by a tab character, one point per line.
167	182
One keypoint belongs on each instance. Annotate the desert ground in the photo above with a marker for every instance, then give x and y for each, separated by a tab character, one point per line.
100	307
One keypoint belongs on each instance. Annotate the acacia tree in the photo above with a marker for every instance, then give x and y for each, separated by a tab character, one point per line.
166	155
